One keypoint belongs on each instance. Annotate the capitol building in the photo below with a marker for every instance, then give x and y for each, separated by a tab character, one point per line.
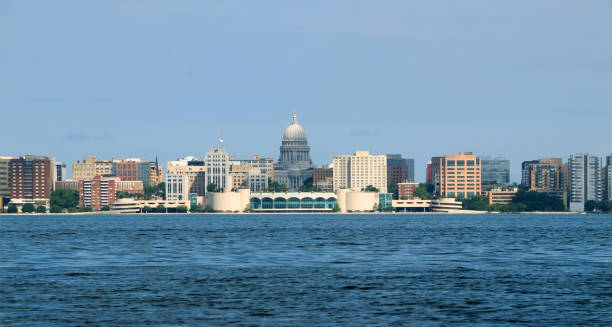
294	165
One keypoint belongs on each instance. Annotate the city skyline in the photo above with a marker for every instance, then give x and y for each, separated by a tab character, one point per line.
420	79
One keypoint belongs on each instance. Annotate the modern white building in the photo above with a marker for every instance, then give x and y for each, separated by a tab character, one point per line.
609	177
360	170
584	180
217	163
177	187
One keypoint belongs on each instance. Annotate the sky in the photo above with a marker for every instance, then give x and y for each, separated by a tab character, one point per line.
115	79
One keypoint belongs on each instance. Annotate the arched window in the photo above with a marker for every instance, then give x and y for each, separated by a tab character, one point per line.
294	203
267	203
329	204
319	203
280	203
255	203
306	203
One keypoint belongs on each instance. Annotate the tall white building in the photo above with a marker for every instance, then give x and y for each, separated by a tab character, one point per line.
217	163
360	170
584	180
194	169
177	187
609	177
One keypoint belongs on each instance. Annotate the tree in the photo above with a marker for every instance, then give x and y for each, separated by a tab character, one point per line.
403	197
605	206
12	209
421	192
181	208
105	208
307	187
41	209
276	187
590	206
56	209
28	207
248	208
371	188
336	208
208	208
65	199
538	201
196	208
160	208
85	209
146	209
392	188
212	187
478	203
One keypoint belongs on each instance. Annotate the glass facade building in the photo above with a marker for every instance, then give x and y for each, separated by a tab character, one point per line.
495	171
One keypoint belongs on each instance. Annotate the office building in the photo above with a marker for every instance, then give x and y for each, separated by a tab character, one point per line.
360	170
397	170
323	179
294	165
501	196
544	175
406	190
5	188
67	185
97	192
495	171
217	166
132	169
194	169
91	167
177	187
457	176
265	165
584	180
428	174
31	179
60	172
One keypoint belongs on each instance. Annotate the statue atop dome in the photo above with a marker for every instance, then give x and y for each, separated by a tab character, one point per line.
294	164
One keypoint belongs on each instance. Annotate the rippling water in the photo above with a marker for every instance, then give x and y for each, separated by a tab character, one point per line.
305	270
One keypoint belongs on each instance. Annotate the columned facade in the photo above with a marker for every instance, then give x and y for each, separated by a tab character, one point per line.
294	165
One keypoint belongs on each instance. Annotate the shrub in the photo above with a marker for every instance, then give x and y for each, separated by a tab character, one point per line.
28	208
12	209
41	209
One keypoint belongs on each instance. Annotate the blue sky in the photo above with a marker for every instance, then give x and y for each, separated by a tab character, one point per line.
520	79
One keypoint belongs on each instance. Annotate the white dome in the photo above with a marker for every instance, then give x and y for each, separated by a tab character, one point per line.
295	132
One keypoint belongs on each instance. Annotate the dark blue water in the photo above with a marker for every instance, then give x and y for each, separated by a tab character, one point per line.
306	270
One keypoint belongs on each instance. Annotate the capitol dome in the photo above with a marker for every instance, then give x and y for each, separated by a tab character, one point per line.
295	132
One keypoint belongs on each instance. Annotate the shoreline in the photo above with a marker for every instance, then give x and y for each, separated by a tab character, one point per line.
458	212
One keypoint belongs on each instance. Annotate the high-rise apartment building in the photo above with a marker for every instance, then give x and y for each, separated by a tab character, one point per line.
495	171
31	178
609	177
97	192
5	188
457	176
545	175
584	180
60	172
194	169
217	167
360	170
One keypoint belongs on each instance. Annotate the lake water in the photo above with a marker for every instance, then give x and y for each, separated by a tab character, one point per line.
306	270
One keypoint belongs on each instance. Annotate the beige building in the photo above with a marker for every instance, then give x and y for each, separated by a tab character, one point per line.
360	170
501	196
457	176
5	188
91	167
132	187
195	171
67	185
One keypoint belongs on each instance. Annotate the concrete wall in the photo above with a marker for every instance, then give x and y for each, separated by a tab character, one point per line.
229	201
